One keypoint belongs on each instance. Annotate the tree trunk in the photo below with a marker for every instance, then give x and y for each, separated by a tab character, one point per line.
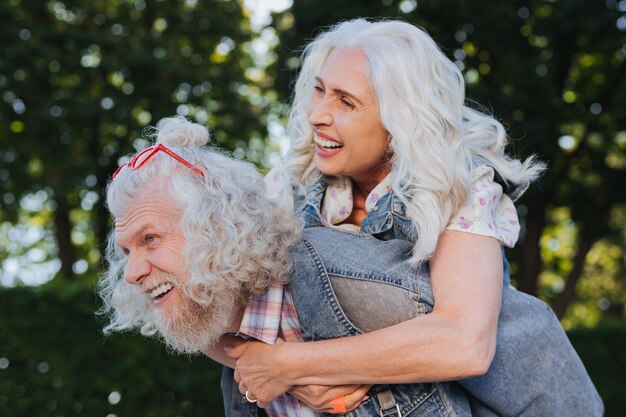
530	264
569	292
102	225
101	214
596	227
63	233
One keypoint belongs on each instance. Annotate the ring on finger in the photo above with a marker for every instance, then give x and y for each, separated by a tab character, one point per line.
250	400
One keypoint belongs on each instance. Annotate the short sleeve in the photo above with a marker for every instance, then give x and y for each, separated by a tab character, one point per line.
279	188
488	211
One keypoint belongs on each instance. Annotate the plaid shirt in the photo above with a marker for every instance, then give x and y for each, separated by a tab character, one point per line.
268	317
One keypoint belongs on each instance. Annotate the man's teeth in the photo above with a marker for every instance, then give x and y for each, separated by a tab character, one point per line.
326	143
161	289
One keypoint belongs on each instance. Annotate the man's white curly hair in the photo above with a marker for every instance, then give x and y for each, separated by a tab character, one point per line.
435	137
236	239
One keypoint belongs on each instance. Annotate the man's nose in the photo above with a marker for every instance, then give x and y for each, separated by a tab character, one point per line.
137	268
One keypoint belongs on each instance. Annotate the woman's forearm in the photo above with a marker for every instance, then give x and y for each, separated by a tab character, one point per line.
424	349
456	340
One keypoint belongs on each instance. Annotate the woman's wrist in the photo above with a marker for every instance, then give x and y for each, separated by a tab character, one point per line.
286	364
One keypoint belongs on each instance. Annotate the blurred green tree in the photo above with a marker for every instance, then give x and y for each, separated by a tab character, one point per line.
553	73
81	79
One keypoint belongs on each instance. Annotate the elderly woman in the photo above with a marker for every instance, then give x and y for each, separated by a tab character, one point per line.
384	144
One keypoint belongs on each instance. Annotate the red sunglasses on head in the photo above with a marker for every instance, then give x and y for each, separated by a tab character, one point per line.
144	156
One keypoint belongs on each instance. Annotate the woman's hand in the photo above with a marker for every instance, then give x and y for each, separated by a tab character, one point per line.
320	397
257	372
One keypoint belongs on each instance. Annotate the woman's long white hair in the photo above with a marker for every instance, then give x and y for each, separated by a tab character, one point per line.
236	239
435	136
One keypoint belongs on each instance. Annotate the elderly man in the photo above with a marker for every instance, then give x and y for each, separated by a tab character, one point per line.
200	255
202	252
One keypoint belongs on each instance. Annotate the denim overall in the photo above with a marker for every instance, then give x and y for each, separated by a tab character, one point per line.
362	283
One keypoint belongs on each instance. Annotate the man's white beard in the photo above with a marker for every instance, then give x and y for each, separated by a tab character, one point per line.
190	328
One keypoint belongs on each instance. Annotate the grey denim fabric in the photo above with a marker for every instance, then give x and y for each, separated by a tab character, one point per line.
535	371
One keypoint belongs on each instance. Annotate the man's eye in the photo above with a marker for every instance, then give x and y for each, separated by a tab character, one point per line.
150	238
318	89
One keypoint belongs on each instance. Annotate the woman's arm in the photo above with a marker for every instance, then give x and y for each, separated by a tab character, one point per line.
456	340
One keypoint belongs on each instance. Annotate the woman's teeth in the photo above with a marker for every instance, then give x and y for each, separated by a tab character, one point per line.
327	144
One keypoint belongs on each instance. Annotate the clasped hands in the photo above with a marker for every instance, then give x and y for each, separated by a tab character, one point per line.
261	381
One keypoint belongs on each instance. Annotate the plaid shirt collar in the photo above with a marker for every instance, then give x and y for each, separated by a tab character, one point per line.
268	317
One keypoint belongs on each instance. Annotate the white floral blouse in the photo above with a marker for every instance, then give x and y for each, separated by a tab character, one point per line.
488	212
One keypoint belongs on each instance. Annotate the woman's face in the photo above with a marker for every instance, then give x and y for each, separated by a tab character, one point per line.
349	138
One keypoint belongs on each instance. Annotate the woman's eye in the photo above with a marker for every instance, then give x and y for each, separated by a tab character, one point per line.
150	238
318	89
347	103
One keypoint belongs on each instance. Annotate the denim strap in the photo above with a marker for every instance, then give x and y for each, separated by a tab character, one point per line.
387	401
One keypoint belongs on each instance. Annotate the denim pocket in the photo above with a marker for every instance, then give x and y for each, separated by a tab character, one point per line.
372	305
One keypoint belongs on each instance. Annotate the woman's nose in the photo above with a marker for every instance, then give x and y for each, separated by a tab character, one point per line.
319	113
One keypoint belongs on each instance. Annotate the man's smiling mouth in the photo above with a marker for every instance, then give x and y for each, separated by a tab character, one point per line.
160	290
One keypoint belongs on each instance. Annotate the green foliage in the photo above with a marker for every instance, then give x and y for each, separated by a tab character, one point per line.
54	360
81	80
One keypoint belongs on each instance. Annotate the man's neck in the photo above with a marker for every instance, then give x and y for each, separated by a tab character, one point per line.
235	322
229	338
